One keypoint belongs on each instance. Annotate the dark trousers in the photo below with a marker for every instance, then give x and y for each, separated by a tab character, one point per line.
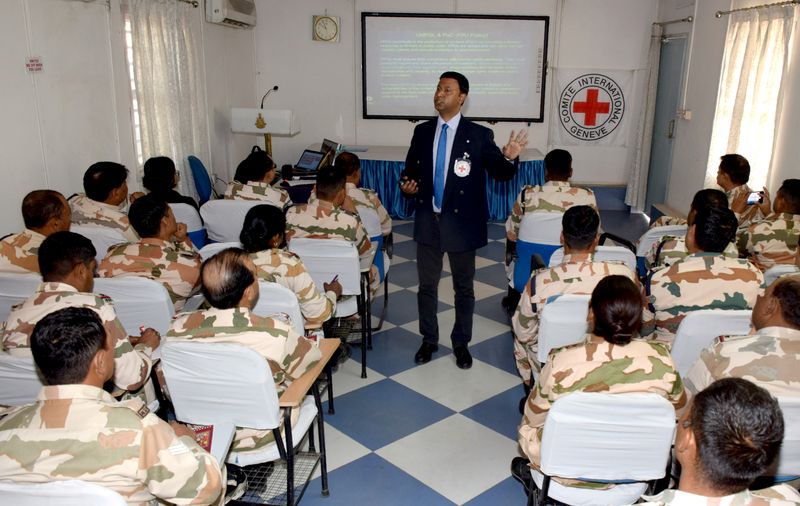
429	270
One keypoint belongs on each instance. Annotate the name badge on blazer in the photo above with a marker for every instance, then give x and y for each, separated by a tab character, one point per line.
462	166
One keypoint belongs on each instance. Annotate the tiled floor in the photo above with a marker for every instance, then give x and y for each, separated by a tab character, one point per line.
431	434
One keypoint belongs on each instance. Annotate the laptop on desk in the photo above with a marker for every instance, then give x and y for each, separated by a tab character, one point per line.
306	167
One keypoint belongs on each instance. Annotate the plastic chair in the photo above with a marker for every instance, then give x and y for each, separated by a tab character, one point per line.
622	438
698	329
102	238
211	249
563	323
776	271
184	213
653	236
20	379
275	298
202	181
240	393
138	302
372	224
15	288
327	258
539	234
602	254
787	465
62	493
224	218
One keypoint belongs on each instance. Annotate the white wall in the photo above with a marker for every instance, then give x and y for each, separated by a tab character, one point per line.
321	82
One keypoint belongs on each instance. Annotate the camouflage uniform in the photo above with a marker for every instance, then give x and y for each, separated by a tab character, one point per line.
552	196
772	241
577	274
638	367
175	265
667	221
776	495
86	211
258	191
674	249
701	281
131	364
751	213
364	197
768	358
19	253
286	268
80	432
288	354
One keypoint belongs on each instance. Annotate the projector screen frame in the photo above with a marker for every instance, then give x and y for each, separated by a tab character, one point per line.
415	118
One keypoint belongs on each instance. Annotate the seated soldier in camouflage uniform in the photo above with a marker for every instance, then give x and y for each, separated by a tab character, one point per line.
103	204
253	181
362	197
230	286
773	240
578	273
612	360
671	248
263	238
768	358
44	212
732	177
728	437
164	253
706	279
76	430
67	261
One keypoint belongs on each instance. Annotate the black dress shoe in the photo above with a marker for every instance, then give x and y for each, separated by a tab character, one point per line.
463	358
521	471
424	353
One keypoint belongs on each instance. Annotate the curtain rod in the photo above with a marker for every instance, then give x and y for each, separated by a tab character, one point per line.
687	19
719	14
194	3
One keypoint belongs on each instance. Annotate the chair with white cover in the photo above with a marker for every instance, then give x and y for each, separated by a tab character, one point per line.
563	323
20	379
653	236
274	299
602	254
102	237
787	466
138	301
15	288
372	225
539	234
620	438
211	249
224	218
776	271
62	493
698	329
188	215
326	259
240	393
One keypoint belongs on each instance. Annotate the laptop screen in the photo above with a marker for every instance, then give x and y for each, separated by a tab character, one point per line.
309	160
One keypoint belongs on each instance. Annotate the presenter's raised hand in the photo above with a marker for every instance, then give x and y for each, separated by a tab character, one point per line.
408	186
516	143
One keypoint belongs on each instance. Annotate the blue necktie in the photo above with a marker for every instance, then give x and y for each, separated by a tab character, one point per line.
438	173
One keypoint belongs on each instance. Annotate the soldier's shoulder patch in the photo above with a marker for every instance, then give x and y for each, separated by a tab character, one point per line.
137	406
105	298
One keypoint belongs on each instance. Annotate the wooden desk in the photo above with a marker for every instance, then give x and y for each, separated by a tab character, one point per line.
293	396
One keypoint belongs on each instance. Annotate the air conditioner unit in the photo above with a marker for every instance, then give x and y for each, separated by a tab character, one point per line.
238	13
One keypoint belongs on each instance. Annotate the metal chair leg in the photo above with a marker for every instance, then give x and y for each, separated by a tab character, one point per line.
329	372
322	452
287	424
385	304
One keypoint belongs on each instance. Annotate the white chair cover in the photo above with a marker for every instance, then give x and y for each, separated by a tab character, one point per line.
541	228
274	298
776	271
62	493
209	250
788	461
327	258
20	379
102	238
15	288
138	301
188	215
224	218
563	323
655	235
698	330
370	220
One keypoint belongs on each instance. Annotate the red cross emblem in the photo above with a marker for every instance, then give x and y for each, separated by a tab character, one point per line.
591	107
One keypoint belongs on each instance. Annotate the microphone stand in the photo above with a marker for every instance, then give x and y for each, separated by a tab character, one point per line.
267	135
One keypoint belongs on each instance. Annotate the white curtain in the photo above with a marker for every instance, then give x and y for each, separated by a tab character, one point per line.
637	183
170	82
751	86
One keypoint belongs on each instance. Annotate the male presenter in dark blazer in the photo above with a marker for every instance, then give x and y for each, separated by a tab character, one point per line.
445	174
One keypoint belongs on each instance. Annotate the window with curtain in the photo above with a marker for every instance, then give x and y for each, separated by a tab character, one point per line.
164	54
748	102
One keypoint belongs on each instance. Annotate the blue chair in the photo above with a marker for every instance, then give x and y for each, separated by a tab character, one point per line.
539	234
202	181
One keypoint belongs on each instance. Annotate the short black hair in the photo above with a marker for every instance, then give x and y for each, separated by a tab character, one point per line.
790	194
709	197
617	306
61	252
558	165
41	206
102	178
736	167
159	174
261	224
330	180
714	229
463	82
580	225
349	162
64	342
145	215
787	291
254	167
738	428
231	277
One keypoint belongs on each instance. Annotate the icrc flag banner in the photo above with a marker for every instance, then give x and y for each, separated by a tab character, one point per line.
591	108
